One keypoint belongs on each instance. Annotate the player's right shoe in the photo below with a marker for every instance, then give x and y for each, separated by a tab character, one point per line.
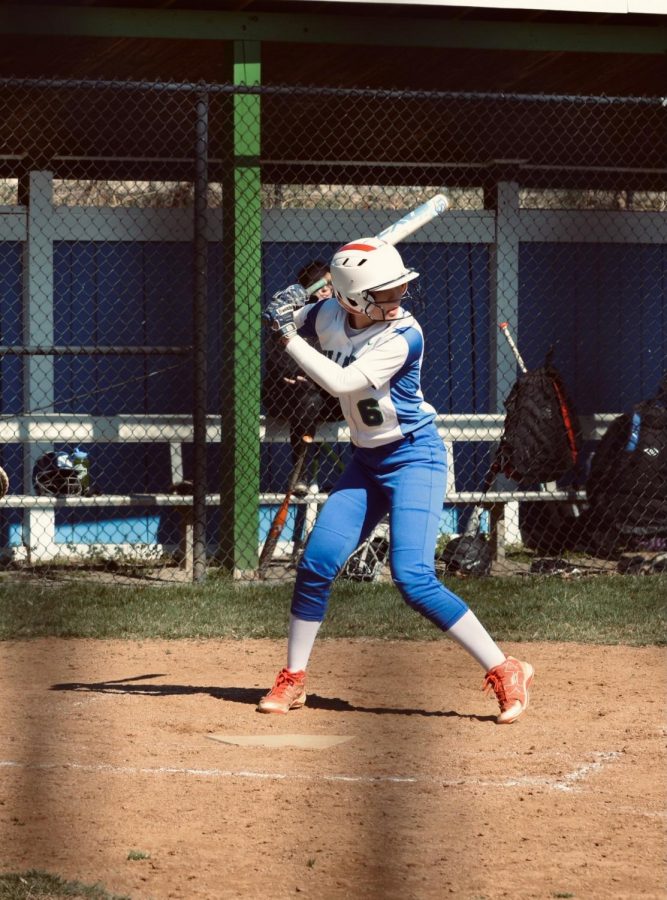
288	692
510	682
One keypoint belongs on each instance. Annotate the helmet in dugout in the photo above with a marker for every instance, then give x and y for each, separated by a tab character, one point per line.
54	475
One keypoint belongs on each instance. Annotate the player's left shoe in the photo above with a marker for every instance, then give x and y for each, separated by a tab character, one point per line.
510	682
288	692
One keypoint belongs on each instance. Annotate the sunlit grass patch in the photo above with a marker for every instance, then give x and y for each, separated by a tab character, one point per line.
602	609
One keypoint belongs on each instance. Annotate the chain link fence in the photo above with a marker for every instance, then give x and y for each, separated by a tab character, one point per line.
150	428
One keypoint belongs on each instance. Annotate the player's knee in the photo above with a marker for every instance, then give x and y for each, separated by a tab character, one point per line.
311	591
318	569
421	590
415	581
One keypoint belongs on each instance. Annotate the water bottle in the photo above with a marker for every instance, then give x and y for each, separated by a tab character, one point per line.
81	464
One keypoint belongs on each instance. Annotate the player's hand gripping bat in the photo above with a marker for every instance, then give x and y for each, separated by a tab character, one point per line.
393	234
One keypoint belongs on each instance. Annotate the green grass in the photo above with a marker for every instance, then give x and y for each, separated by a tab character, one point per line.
602	609
36	885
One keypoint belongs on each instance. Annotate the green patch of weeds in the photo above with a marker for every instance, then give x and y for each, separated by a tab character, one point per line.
37	885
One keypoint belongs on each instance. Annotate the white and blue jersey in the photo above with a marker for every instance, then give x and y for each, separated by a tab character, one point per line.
398	467
389	354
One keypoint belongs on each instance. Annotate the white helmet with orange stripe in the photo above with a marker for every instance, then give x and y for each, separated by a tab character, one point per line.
363	266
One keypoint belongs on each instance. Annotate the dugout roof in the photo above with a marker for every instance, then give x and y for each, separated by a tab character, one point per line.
353	45
436	48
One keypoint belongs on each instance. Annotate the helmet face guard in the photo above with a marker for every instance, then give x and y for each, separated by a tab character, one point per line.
54	475
363	266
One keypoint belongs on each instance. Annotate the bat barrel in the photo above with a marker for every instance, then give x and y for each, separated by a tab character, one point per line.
415	219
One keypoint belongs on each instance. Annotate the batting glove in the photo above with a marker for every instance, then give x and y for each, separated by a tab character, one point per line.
280	318
295	295
279	314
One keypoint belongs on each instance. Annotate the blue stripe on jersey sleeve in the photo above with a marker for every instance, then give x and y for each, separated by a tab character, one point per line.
415	341
405	387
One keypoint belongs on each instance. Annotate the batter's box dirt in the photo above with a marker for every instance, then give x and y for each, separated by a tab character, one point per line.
112	770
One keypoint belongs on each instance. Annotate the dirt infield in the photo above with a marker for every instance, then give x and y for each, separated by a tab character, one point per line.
106	753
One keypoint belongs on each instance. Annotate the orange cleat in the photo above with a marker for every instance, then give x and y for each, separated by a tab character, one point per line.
510	682
288	692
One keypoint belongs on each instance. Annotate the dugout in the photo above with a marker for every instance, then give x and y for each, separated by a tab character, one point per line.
502	106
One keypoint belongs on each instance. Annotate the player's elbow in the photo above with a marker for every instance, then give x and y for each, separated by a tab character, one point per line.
350	381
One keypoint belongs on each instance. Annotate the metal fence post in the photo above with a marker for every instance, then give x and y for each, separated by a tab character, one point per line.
38	324
504	290
200	341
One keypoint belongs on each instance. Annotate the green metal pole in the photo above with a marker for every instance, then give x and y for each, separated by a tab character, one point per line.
242	238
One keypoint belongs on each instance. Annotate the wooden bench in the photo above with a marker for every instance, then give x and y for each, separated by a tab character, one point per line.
175	430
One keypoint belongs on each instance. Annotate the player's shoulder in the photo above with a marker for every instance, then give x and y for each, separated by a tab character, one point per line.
319	317
325	310
329	314
408	325
410	330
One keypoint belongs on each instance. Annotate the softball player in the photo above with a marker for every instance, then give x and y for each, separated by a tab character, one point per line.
372	350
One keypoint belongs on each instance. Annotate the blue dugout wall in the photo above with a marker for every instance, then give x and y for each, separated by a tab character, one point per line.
603	308
601	305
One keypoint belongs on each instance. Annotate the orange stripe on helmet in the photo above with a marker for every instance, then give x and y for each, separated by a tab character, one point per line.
364	247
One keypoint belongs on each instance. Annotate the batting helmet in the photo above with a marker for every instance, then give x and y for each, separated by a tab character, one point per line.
54	475
365	265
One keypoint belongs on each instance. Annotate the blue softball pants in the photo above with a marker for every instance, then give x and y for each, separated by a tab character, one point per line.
407	480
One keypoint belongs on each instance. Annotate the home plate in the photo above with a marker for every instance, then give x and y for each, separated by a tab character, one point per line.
305	741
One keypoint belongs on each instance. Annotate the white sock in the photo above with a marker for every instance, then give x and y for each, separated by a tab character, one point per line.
473	637
300	642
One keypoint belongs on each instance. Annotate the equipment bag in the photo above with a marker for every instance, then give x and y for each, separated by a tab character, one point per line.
627	484
468	554
541	437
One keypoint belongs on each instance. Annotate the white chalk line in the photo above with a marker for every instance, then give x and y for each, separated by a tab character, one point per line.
567	782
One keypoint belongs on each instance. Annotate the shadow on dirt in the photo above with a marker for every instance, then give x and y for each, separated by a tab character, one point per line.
249	696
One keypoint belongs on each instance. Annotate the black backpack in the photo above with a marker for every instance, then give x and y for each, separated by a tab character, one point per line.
541	437
627	484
